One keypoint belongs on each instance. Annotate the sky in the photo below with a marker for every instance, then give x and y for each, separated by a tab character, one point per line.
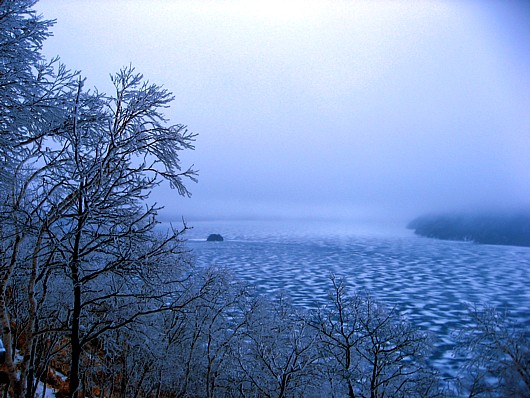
325	109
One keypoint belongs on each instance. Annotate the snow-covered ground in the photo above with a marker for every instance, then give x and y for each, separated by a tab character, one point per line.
49	393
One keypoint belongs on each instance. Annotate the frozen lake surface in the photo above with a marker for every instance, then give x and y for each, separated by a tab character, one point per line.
428	280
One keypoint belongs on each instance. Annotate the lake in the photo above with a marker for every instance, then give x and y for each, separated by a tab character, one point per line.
430	281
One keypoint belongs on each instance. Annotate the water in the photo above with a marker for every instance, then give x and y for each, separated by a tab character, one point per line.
430	281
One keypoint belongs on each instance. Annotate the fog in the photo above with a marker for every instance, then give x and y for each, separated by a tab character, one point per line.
326	109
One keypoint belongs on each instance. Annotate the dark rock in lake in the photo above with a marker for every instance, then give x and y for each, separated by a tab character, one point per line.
493	229
215	238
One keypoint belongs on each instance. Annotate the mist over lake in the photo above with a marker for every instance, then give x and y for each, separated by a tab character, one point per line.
330	109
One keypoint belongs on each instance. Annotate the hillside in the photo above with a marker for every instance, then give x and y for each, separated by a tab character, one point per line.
494	229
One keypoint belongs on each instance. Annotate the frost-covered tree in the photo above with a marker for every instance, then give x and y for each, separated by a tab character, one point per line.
198	343
496	355
109	153
217	323
278	355
32	92
369	350
339	329
77	169
392	355
21	36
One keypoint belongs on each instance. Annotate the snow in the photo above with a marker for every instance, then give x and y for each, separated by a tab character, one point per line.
50	392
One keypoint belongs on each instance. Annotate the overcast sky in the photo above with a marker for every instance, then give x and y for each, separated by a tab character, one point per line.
325	108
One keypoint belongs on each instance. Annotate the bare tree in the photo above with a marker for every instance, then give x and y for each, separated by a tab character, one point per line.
393	355
371	351
220	318
32	92
339	329
107	154
78	168
278	356
196	343
496	355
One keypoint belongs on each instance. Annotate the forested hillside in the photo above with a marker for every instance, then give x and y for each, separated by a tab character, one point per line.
494	229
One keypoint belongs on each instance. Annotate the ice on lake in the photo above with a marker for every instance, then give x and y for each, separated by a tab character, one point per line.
430	281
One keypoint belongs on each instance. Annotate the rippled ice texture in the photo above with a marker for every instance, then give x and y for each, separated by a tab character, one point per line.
428	280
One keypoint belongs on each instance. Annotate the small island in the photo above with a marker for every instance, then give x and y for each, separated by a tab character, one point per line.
494	229
215	238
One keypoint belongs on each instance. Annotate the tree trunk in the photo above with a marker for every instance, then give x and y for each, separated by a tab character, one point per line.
75	339
27	372
7	336
351	393
373	382
14	383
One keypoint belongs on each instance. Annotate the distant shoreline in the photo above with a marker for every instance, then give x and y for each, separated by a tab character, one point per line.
493	229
